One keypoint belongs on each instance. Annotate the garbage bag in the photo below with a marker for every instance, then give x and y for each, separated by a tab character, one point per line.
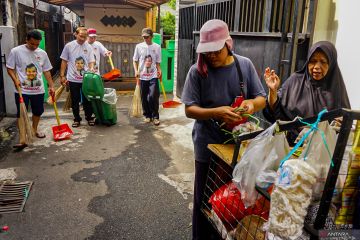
110	96
260	160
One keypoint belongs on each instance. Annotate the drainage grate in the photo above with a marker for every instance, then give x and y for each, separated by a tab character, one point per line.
13	196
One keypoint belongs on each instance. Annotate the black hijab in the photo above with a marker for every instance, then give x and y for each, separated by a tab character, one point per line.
305	97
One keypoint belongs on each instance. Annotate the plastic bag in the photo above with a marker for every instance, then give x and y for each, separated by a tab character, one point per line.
226	203
110	96
318	157
261	157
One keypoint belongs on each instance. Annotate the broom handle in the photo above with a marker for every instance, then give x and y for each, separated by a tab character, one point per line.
163	89
56	110
111	63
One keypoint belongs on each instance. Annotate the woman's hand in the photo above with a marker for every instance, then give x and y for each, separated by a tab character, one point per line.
226	114
272	80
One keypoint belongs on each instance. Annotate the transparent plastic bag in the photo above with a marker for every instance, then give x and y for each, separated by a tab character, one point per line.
110	96
262	156
317	155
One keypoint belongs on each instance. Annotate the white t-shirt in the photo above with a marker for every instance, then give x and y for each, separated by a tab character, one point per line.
147	65
29	66
78	58
98	49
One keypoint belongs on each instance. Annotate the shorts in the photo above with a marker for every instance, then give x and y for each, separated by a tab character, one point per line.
36	102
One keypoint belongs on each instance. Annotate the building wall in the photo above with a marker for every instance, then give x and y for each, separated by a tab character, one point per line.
93	13
337	21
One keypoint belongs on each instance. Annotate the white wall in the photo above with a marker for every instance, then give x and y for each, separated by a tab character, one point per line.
348	47
7	44
338	21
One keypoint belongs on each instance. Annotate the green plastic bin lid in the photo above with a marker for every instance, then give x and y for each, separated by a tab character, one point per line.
157	38
93	86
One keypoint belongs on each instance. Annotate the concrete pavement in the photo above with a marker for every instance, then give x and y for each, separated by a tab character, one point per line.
128	181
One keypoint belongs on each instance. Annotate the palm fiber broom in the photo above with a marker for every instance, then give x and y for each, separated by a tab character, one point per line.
67	104
58	93
26	132
136	108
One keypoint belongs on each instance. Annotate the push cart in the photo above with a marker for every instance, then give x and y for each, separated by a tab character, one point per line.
236	222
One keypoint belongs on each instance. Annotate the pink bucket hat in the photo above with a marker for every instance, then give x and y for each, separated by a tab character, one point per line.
213	36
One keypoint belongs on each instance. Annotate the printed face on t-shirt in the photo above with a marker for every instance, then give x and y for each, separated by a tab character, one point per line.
31	72
148	61
79	63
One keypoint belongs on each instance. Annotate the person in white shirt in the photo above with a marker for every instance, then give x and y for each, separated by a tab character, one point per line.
146	62
78	57
25	65
98	48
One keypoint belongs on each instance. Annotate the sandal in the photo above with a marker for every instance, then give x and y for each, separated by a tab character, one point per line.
40	135
75	124
20	146
91	122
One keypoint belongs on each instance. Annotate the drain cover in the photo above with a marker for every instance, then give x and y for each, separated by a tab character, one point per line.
13	196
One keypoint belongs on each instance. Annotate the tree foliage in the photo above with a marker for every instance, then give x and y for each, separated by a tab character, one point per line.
172	4
168	23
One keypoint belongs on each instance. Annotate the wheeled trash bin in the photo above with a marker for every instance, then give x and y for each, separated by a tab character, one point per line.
103	100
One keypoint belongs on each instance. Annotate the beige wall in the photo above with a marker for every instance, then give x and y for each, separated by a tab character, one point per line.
337	21
94	12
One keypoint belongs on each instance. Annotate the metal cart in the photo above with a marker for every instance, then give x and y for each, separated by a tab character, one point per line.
246	224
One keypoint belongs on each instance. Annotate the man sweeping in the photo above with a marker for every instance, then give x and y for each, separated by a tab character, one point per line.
98	48
78	57
146	61
25	65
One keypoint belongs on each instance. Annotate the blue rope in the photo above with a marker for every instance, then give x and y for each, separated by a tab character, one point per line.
313	127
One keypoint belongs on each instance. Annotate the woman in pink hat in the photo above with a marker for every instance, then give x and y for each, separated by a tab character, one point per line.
210	88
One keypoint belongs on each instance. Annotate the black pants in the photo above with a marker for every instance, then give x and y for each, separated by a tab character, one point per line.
150	98
76	93
201	227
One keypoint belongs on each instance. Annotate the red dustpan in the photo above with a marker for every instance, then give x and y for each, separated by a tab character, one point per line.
61	131
114	73
170	103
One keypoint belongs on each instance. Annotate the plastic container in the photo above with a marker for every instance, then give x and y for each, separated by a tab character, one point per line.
93	86
103	100
105	110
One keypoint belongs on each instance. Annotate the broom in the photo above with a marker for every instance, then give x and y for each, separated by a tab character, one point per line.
25	128
67	104
136	108
58	93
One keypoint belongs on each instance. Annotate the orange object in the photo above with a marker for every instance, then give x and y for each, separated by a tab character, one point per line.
114	73
170	103
61	131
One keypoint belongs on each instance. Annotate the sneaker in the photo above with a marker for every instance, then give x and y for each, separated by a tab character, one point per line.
156	122
147	120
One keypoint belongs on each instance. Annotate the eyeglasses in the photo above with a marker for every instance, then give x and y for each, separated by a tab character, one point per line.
146	37
216	53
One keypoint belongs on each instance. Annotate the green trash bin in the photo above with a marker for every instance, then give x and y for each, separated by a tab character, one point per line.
103	100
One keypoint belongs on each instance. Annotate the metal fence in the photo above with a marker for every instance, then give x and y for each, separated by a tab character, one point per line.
274	33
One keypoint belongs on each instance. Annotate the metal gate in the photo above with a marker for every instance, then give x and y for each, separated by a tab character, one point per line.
272	33
122	55
2	88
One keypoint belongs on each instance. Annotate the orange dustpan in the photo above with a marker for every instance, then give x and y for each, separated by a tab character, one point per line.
170	103
61	131
114	73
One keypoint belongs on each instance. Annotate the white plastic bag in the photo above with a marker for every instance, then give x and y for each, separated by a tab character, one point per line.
318	157
110	96
260	160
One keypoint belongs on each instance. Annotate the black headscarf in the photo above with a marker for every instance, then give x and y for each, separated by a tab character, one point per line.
305	97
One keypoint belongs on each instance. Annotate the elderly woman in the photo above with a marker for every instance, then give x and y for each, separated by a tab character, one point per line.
318	85
210	88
